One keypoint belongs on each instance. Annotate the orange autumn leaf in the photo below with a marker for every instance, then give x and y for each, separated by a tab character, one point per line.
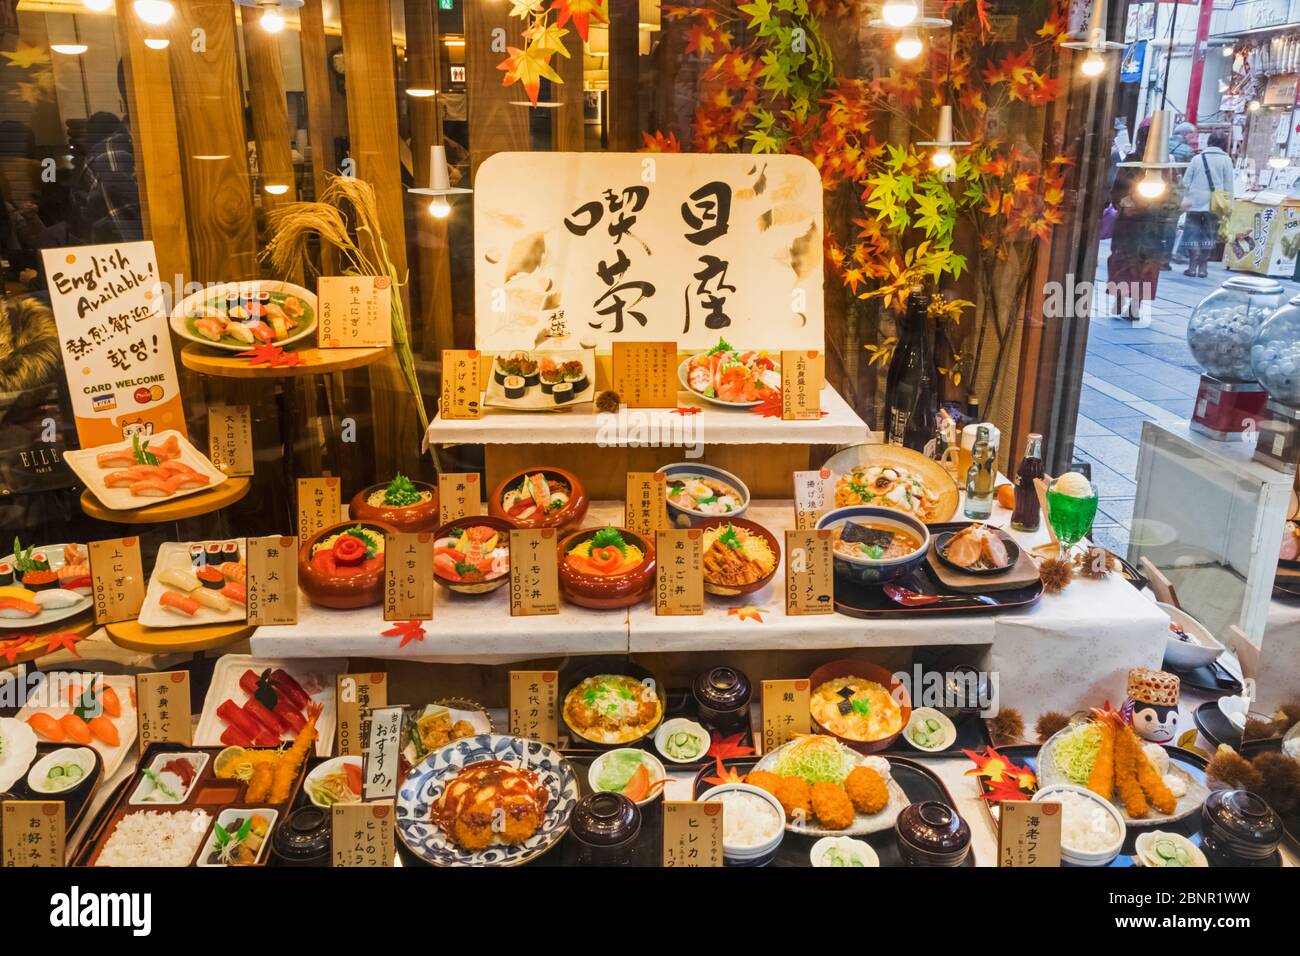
581	12
528	67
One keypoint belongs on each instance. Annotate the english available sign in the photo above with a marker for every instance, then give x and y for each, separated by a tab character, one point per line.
589	249
109	308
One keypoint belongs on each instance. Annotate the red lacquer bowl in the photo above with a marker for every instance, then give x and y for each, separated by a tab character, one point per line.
421	516
607	591
343	589
570	516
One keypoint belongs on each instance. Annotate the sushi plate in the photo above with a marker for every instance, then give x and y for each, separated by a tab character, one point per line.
183	317
175	555
54	552
317	677
534	399
683	376
64	686
84	462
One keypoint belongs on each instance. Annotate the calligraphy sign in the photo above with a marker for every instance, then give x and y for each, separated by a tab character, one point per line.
785	711
1029	833
272	579
534	572
320	504
608	247
358	694
380	756
355	311
534	700
34	833
117	579
230	439
692	834
109	309
809	583
363	834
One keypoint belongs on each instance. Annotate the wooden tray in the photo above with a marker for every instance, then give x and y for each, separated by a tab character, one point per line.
1023	573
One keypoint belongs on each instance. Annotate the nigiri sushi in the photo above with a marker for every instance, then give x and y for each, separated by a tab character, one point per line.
75	577
109	701
173	467
233	571
239	330
210	328
120	479
74	728
210	577
166	450
235	591
117	458
180	580
181	603
212	599
103	729
74	554
18	608
56	598
188	479
18	592
143	472
47	727
152	488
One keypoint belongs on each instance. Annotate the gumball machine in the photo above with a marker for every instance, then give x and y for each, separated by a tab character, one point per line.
1275	360
1221	334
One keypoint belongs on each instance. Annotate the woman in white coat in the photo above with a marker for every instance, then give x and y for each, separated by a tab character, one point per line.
1210	171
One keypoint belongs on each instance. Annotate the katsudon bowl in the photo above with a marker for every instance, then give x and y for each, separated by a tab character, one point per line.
610	702
420	803
874	546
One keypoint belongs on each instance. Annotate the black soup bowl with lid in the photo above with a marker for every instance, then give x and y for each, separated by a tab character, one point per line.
722	696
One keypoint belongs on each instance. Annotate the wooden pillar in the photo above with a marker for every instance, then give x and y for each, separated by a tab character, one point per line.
372	128
210	117
270	109
624	54
496	124
566	119
316	84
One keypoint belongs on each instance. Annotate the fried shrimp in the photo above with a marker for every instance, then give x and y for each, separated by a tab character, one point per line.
1127	752
1149	779
1102	779
832	806
867	790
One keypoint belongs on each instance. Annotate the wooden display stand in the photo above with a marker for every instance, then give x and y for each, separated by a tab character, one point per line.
135	636
176	509
81	625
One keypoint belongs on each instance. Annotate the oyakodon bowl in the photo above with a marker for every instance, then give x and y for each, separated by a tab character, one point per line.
570	516
605	591
342	587
863	571
690	517
421	516
865	670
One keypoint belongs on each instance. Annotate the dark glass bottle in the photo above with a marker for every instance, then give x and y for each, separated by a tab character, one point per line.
1027	513
911	386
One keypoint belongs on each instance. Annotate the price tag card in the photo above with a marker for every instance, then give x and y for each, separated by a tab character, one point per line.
809	574
357	695
811	491
692	834
117	579
33	833
679	572
230	439
362	834
645	374
408	576
645	507
458	496
533	705
1029	833
462	385
354	311
534	572
320	504
163	708
803	373
272	581
381	753
785	711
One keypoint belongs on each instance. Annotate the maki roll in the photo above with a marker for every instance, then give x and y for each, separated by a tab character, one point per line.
514	386
230	551
550	378
504	367
6	574
575	375
562	392
528	370
196	556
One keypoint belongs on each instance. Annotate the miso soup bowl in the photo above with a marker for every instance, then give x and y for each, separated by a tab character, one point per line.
869	572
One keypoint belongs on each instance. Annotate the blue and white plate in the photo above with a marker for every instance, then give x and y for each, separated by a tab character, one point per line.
423	787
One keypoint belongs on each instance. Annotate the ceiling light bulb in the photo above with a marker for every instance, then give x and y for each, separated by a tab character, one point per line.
420	92
1253	105
271	20
276	189
97	6
941	158
898	13
1093	64
439	208
156	12
1152	185
1278	162
908	46
156	43
69	49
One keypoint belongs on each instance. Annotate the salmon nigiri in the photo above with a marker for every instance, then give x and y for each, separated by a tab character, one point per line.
75	728
166	450
179	602
117	458
152	488
103	729
47	727
18	608
108	699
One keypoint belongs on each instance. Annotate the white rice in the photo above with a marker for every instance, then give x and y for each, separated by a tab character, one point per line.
747	820
154	838
1085	824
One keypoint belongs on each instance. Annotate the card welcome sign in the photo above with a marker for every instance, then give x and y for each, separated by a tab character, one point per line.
596	248
109	309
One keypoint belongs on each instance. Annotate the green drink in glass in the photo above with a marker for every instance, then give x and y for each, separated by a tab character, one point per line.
1071	508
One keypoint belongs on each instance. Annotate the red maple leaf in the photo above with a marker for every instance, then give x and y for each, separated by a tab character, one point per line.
770	405
658	143
64	640
687	410
746	613
724	748
580	12
1005	789
725	775
408	631
271	355
13	647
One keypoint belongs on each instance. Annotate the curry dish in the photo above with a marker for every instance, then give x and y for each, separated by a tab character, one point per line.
855	708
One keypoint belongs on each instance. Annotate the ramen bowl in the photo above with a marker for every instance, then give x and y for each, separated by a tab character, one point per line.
683	471
861	570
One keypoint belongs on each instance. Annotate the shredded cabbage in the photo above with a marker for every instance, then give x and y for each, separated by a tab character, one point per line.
1076	751
816	759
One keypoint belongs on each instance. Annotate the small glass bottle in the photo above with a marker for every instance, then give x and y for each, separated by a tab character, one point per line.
980	479
1027	514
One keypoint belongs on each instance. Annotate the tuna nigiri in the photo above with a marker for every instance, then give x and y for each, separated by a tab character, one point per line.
117	458
103	729
47	727
75	728
179	602
166	450
152	488
18	608
235	592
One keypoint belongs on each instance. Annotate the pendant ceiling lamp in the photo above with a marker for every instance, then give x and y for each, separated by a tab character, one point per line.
943	142
1093	41
1155	158
907	19
440	186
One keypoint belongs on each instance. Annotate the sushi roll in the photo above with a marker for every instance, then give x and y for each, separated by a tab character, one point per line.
514	386
505	367
562	392
12	607
196	556
180	580
56	598
576	376
211	578
210	599
6	574
528	371
212	554
237	313
180	603
40	580
550	378
230	551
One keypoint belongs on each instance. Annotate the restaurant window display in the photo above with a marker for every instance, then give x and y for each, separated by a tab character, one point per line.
577	432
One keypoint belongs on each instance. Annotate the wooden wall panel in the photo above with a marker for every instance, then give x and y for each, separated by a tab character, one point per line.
316	84
566	119
496	122
624	52
270	110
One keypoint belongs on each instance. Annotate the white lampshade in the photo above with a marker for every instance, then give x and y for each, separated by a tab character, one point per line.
649	15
